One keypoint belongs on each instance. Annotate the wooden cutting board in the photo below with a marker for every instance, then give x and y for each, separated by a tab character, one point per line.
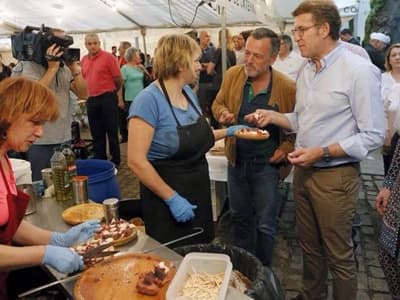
83	212
116	278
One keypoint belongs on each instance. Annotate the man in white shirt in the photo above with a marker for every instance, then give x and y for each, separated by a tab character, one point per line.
238	47
288	61
338	119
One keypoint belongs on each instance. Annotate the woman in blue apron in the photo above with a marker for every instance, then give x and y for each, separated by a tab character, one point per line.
168	140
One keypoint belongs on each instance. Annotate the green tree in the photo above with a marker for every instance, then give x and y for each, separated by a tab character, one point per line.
384	17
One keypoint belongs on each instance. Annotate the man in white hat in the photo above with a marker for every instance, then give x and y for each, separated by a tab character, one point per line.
377	43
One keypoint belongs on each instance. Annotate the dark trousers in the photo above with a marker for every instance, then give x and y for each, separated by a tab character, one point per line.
387	157
102	113
123	122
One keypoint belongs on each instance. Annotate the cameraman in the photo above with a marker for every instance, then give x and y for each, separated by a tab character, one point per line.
61	77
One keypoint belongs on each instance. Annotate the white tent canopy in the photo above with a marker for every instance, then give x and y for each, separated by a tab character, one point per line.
111	15
118	20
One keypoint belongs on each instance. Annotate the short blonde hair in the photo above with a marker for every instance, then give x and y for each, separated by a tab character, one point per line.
22	96
174	54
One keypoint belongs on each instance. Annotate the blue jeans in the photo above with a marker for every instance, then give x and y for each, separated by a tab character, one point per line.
253	194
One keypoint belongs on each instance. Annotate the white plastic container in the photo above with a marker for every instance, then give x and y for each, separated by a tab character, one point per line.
203	263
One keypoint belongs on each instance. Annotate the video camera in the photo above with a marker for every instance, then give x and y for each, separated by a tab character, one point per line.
31	44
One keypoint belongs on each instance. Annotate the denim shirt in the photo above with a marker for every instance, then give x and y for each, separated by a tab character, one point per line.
341	103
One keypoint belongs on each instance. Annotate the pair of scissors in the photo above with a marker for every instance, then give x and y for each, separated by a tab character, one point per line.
99	251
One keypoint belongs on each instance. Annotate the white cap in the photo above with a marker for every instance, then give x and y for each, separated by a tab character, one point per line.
380	37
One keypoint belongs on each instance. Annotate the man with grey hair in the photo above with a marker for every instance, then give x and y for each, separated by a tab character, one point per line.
338	119
103	77
288	61
253	171
205	80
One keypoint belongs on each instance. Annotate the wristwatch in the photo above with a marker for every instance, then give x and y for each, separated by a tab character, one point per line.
326	155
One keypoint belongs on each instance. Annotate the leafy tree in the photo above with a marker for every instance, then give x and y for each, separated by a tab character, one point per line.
384	17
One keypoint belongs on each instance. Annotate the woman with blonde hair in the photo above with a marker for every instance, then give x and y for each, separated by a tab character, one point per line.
168	140
25	106
391	100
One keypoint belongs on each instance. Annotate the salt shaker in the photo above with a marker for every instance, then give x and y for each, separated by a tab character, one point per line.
110	207
80	189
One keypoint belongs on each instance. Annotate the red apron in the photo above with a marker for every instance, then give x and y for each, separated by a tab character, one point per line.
16	210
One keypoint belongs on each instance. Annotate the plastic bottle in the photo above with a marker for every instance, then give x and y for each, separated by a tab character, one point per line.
71	169
62	188
70	157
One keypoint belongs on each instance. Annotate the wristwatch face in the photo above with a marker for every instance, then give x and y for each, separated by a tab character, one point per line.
326	155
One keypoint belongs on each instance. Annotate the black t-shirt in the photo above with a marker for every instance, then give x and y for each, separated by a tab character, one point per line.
217	60
377	57
5	73
206	56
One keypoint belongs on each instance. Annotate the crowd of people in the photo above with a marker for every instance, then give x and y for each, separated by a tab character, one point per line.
171	109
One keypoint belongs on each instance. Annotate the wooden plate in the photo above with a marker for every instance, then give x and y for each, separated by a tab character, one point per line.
83	212
116	278
252	134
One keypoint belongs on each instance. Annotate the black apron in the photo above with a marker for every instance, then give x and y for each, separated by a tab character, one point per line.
187	173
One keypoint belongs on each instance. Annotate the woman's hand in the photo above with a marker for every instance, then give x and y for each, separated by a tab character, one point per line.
64	260
226	118
381	200
76	235
181	209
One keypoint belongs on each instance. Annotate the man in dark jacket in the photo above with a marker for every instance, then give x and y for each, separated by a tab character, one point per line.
347	35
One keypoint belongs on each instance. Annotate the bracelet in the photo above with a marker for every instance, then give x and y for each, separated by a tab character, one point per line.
76	74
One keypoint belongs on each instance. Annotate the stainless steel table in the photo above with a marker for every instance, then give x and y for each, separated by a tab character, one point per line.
48	216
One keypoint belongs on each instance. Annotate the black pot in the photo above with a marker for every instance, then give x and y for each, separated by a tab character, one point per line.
130	208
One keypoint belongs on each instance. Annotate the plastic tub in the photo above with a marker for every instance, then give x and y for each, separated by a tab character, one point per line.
203	263
265	285
102	182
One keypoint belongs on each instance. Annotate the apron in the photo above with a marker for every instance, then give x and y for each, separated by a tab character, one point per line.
16	209
187	173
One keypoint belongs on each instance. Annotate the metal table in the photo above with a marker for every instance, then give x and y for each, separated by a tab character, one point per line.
48	216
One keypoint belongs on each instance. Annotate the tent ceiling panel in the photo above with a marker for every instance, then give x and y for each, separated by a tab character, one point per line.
110	15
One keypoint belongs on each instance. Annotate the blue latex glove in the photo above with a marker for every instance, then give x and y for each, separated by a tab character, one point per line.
64	260
230	131
180	208
76	235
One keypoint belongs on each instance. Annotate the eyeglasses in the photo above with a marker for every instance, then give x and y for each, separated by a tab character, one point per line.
300	30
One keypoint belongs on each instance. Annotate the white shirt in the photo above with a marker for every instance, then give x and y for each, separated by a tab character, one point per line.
289	65
391	100
341	103
387	82
239	56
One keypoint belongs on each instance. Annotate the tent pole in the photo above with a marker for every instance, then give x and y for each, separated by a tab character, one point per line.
143	32
223	40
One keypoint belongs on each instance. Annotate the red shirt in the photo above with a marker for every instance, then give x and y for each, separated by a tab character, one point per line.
121	61
99	71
